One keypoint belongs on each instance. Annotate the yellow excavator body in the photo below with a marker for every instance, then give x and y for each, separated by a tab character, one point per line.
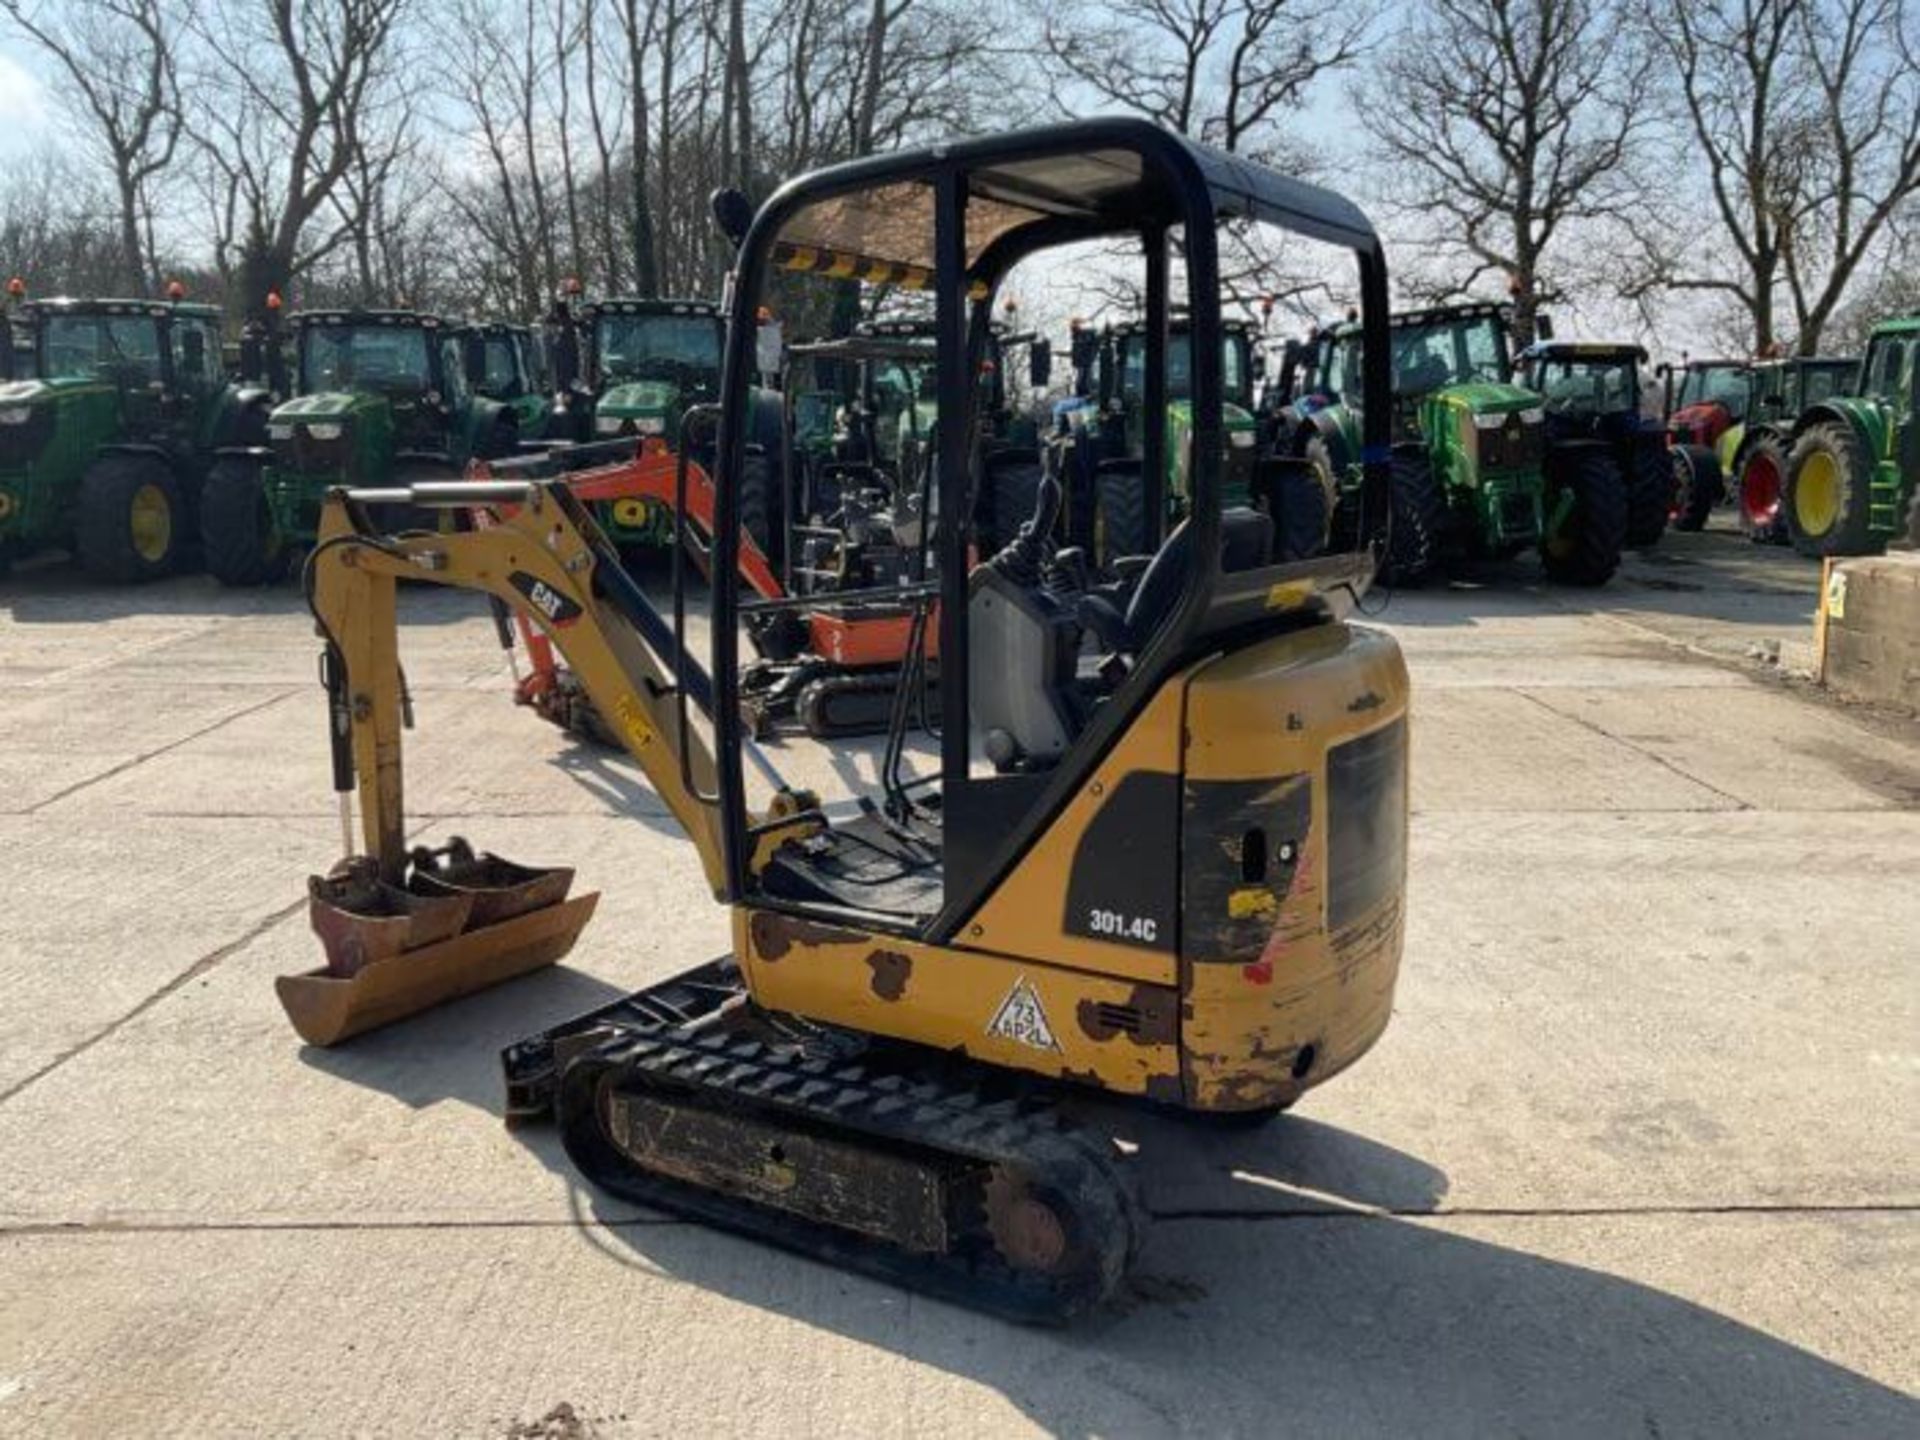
1162	852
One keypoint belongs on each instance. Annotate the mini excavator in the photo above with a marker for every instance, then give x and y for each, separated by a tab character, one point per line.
1160	854
830	661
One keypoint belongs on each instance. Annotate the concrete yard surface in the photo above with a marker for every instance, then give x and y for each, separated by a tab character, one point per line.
1637	1155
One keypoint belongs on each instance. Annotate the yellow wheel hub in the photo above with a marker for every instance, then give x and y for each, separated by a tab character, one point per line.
631	512
150	523
1816	494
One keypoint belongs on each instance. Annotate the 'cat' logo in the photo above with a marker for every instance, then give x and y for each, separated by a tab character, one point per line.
558	609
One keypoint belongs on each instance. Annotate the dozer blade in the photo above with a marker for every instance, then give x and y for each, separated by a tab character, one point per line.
892	1162
326	1008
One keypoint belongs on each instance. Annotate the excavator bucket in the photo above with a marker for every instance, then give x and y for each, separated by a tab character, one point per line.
462	922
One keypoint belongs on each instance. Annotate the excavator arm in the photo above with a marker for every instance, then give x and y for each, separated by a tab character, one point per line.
543	557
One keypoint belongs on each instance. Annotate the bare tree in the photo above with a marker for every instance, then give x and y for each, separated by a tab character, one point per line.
57	228
1504	125
1804	116
1864	56
117	60
1224	71
293	95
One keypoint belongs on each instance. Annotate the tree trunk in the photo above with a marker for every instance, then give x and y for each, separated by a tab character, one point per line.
132	256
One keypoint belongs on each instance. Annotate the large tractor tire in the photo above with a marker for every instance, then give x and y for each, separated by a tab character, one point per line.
759	505
1760	491
1343	510
1650	494
237	533
1120	512
132	521
1013	489
1416	516
1826	500
1585	550
1298	504
1697	486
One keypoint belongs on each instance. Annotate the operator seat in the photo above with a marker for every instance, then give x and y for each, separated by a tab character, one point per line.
1246	543
1024	639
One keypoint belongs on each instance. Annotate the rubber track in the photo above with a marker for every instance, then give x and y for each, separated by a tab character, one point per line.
860	703
949	1123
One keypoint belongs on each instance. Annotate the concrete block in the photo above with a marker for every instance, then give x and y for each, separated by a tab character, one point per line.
1869	632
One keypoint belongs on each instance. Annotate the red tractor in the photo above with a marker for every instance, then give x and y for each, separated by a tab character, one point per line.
1709	401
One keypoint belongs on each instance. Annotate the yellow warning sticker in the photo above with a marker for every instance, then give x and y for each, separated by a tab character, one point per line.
1837	595
639	732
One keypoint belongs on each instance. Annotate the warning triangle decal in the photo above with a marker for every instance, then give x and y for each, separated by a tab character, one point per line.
1021	1020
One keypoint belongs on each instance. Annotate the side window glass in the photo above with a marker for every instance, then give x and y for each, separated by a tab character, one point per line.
195	354
133	348
453	377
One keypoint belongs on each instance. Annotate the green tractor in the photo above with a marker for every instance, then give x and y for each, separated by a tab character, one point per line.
382	397
111	414
513	374
1103	435
864	405
1592	392
629	369
647	361
1853	473
1779	392
1474	474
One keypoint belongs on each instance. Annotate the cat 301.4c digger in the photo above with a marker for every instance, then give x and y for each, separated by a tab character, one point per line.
1161	851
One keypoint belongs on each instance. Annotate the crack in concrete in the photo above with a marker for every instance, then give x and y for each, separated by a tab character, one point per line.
44	1229
192	972
1640	750
125	765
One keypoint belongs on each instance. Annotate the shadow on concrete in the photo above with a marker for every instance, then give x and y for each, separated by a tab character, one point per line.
615	780
1307	1295
1321	1319
452	1052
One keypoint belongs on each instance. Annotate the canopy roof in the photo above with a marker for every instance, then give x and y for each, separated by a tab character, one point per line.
157	309
1108	175
1600	350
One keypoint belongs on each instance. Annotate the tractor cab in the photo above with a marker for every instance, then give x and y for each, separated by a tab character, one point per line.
648	360
159	357
1706	398
380	397
506	364
373	388
861	414
1780	389
1590	390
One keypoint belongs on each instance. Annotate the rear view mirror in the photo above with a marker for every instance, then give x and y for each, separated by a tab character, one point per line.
1040	363
1085	344
733	213
1543	326
563	344
1259	364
